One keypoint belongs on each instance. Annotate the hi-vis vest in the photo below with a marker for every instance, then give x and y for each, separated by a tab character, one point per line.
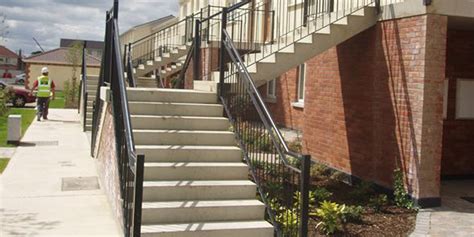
44	87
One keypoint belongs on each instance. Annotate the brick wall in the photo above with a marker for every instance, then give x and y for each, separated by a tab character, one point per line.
286	93
458	135
374	103
107	164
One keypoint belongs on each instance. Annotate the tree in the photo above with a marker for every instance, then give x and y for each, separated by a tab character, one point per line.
74	57
35	53
3	28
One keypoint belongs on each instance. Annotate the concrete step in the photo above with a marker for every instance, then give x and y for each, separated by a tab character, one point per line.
170	153
198	190
193	211
183	137
171	95
89	127
195	171
178	109
210	229
180	122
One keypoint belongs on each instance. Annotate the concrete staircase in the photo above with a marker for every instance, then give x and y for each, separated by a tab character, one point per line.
176	56
92	81
318	36
195	181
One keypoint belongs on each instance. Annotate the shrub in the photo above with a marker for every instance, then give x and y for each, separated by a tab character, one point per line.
361	191
330	214
295	145
378	202
287	218
352	213
320	170
4	98
401	197
321	194
70	94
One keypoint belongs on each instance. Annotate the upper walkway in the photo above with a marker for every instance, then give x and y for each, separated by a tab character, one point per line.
50	185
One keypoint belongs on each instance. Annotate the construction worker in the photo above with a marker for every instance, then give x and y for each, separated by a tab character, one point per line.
45	90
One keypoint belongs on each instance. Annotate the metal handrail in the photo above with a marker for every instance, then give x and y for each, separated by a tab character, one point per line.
130	164
189	56
84	92
257	99
274	134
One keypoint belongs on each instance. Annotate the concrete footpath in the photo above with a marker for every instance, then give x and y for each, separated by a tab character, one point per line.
50	186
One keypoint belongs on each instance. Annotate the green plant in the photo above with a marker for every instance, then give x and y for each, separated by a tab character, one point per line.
320	170
70	94
330	215
378	202
287	218
321	194
74	58
4	98
274	187
401	197
295	145
338	176
352	213
175	82
361	191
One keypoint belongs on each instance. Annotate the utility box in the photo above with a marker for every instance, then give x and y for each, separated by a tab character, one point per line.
14	129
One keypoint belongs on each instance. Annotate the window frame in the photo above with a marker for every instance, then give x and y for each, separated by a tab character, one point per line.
300	93
459	116
271	84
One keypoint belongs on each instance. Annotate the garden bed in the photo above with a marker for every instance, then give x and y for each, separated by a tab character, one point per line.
390	220
377	215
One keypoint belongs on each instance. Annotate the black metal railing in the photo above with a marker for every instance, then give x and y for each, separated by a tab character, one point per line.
282	176
166	40
131	165
83	86
129	65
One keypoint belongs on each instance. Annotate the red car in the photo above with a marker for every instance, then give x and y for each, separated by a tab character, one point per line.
20	96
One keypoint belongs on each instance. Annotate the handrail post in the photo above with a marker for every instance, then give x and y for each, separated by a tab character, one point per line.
305	12
222	51
138	195
116	9
304	197
197	50
125	55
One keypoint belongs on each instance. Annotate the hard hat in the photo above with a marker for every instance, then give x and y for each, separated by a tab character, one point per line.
44	70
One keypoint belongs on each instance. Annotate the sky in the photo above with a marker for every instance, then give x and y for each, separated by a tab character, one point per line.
50	20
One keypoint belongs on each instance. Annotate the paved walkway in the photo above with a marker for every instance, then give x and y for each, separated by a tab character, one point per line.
50	185
454	218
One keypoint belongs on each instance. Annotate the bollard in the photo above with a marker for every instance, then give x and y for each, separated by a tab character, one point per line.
14	129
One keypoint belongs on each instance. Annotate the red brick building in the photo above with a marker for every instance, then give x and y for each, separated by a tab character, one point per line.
398	95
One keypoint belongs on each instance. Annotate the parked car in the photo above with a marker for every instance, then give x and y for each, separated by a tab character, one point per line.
20	79
20	96
3	85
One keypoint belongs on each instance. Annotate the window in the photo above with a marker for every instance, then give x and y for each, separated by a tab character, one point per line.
271	89
464	98
301	76
301	79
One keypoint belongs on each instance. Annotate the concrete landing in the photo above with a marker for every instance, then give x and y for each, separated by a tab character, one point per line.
50	186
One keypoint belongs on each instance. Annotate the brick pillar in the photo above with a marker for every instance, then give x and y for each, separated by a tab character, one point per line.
429	163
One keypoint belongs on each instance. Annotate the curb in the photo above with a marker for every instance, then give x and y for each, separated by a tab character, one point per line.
422	225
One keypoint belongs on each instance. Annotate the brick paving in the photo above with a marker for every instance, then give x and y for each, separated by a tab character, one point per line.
454	218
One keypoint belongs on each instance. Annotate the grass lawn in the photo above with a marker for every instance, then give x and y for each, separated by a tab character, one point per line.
27	117
3	164
59	101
